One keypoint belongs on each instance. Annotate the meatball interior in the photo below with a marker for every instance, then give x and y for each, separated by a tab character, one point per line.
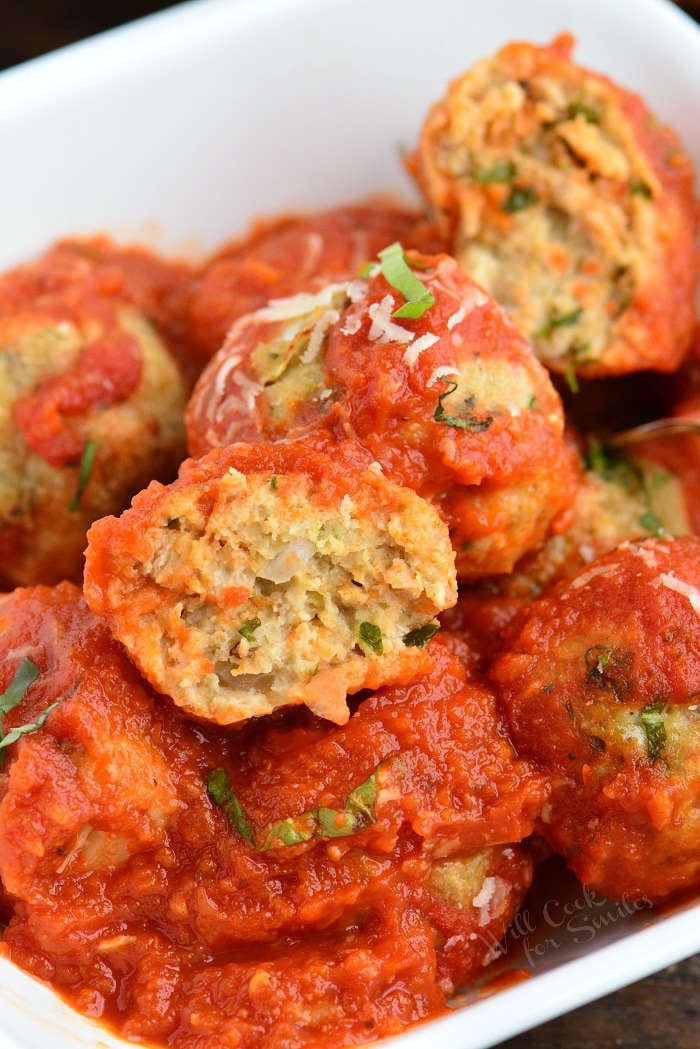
600	684
565	199
452	403
269	575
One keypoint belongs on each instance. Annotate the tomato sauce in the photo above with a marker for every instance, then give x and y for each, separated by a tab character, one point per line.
139	897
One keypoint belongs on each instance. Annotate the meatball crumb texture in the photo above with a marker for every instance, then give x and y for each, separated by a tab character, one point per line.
445	394
273	575
600	686
561	194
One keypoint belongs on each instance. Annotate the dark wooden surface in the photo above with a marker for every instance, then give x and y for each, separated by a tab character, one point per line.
661	1012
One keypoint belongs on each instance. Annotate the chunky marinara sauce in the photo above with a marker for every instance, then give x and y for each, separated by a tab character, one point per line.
291	884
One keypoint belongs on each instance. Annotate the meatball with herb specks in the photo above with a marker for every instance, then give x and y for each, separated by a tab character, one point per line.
91	408
269	575
292	254
420	366
561	194
600	685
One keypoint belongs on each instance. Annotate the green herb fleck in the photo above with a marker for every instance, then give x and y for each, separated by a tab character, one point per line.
335	824
548	689
560	320
640	188
571	378
533	404
362	800
519	198
291	831
597	744
470	423
399	275
248	628
27	673
86	463
222	794
274	484
501	171
651	717
569	708
421	635
597	658
22	730
650	523
591	115
371	637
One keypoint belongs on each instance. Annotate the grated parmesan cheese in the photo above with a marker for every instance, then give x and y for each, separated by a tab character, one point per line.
414	351
318	334
383	329
352	326
456	318
298	305
441	373
671	582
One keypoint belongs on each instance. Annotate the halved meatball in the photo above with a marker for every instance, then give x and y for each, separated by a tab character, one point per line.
445	394
91	408
295	254
600	687
561	195
270	575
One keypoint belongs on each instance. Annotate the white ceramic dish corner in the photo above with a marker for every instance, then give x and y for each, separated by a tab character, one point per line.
180	129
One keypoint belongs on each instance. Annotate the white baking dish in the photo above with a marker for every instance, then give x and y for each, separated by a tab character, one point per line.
181	128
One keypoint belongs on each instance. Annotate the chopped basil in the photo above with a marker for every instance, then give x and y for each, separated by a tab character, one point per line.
335	824
650	523
610	465
548	689
641	188
371	637
597	658
591	115
597	744
571	378
651	717
533	404
421	635
26	673
274	484
247	629
501	171
561	320
290	831
399	275
222	794
22	730
86	464
362	799
470	423
519	198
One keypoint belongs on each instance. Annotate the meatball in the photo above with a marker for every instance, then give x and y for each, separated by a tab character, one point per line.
563	197
600	686
91	408
135	847
443	392
158	287
294	254
272	574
